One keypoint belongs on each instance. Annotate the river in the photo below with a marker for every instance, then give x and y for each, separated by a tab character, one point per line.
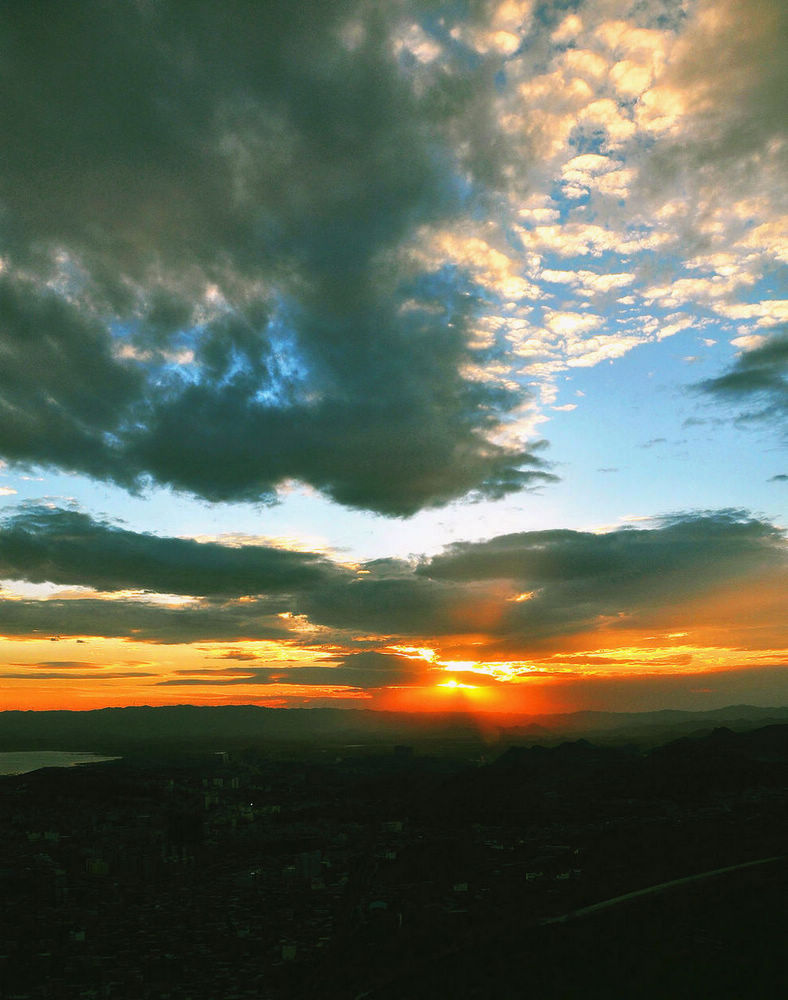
31	760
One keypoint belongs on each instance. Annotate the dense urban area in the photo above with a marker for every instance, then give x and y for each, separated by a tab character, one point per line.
400	871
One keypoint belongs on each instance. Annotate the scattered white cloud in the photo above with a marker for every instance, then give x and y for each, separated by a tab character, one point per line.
567	30
749	341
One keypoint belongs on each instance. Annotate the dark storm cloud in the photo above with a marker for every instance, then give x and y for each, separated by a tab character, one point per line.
40	544
61	389
203	206
758	378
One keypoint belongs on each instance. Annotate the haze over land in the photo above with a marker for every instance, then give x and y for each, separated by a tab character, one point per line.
404	356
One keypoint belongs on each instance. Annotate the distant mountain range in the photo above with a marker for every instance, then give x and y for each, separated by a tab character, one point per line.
218	727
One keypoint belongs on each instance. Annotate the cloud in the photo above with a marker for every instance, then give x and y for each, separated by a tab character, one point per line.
576	583
62	665
256	245
720	574
42	544
758	377
397	605
60	675
140	622
703	541
367	670
584	659
728	77
61	389
581	582
204	210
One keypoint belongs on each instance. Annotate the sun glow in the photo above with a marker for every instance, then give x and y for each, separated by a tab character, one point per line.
499	670
457	685
416	652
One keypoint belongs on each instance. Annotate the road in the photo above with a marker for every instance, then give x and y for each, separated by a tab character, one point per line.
652	889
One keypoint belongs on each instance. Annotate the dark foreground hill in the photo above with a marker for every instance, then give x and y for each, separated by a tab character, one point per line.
722	937
566	872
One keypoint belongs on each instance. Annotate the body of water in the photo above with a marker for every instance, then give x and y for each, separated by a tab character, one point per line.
32	760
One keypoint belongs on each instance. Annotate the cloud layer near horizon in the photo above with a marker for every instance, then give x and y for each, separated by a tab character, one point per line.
547	595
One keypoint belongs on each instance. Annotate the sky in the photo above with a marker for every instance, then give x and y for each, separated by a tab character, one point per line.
408	355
